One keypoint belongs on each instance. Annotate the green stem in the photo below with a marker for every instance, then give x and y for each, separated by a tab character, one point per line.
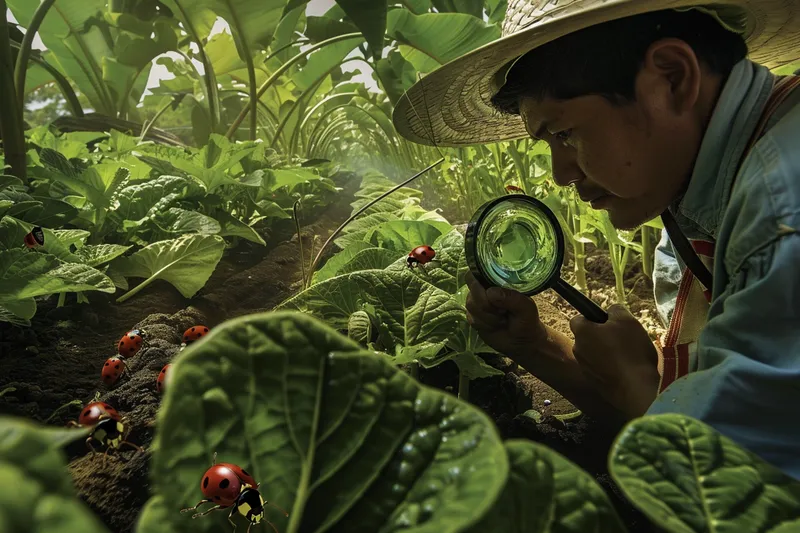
413	370
463	387
367	206
11	124
25	49
300	241
62	299
62	82
278	73
150	124
648	252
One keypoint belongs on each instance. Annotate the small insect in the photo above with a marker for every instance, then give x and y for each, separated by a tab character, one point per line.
35	238
194	333
108	428
513	189
161	381
228	485
113	369
420	255
130	343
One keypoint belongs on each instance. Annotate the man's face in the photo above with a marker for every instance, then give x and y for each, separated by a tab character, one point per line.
631	159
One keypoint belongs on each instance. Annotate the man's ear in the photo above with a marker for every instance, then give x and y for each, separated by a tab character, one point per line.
671	76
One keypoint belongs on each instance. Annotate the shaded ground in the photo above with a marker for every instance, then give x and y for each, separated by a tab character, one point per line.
58	361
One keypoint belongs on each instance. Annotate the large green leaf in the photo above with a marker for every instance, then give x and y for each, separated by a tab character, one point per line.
546	492
405	235
99	254
332	266
39	494
370	259
687	477
337	436
137	201
179	221
186	262
321	62
416	313
26	274
434	39
370	17
231	226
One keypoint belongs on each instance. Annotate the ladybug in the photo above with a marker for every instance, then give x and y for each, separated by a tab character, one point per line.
113	369
420	255
229	485
130	343
34	238
91	414
161	381
513	189
194	333
108	428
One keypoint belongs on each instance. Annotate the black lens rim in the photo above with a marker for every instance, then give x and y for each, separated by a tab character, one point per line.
471	243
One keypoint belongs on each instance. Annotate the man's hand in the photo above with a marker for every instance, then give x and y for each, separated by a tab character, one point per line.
618	359
506	320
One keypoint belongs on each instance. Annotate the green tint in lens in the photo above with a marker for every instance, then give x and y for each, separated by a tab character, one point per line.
516	243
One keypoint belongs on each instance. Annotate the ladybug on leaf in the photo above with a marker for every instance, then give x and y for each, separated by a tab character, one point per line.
421	255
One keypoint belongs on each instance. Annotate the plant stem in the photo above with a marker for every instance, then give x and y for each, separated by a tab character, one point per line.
150	124
367	206
278	73
25	49
413	370
647	252
300	240
62	299
463	387
13	129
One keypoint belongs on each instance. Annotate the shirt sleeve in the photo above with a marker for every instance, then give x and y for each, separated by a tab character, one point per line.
747	385
666	278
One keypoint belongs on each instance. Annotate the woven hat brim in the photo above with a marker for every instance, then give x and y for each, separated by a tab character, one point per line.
451	106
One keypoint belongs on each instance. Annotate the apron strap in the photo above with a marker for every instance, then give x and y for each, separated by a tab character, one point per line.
782	89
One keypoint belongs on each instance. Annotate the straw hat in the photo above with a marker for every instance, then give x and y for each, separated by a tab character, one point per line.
452	104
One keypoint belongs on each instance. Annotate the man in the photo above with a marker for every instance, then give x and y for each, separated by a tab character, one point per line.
653	108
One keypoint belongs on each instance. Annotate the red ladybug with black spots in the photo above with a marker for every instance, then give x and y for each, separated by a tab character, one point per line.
35	238
228	485
421	255
161	381
113	369
194	333
130	343
91	414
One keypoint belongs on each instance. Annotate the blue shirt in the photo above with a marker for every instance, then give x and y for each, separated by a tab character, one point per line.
745	378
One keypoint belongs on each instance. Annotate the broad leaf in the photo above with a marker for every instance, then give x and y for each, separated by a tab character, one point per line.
405	235
415	312
25	274
231	226
43	496
96	255
186	262
687	477
179	221
369	259
370	17
332	266
337	436
546	492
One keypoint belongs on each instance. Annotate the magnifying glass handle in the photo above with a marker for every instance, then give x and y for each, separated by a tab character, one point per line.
580	301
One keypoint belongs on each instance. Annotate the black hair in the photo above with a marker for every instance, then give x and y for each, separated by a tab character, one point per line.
605	59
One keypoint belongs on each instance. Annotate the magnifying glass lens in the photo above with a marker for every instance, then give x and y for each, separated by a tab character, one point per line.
517	246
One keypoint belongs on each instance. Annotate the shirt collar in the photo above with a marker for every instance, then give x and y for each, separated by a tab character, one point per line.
742	100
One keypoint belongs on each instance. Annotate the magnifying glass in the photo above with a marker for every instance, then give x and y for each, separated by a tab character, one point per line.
516	242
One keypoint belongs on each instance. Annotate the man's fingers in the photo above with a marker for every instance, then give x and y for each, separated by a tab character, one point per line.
480	319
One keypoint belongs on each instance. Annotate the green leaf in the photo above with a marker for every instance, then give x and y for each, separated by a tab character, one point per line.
43	498
546	492
231	226
6	315
50	212
339	437
370	17
415	312
9	181
25	274
687	477
332	266
438	37
180	221
369	259
186	262
136	201
96	255
290	178
405	235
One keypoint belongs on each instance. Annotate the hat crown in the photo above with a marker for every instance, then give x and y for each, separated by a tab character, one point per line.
524	13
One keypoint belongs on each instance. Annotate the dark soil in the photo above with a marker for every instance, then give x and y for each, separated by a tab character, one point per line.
49	370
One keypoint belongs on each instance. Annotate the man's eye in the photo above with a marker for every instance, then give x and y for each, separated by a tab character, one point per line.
563	136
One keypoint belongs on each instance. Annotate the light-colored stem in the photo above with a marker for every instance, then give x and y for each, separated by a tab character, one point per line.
367	206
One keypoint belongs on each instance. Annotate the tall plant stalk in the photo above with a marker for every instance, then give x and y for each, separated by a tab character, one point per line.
25	49
11	123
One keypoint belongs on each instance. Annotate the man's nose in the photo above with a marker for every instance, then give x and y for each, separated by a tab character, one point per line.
565	168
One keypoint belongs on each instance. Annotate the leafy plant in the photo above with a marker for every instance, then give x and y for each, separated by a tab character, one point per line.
347	442
43	496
